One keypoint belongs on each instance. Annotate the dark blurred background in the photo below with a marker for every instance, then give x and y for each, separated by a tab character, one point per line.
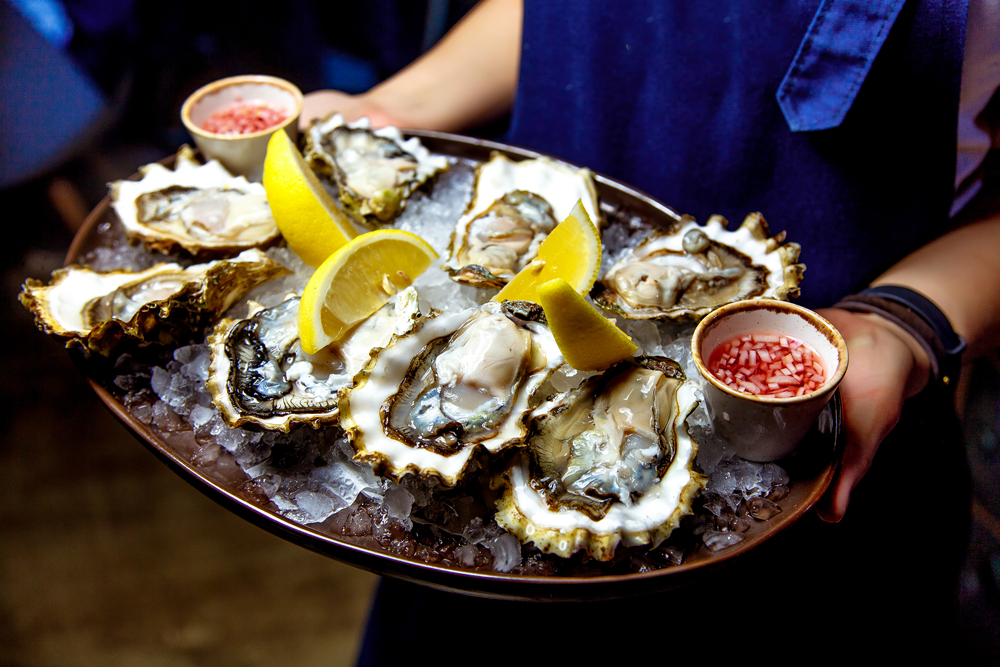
107	557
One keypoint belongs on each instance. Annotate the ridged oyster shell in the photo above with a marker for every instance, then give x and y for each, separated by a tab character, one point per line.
514	206
688	270
607	462
375	170
260	375
458	383
96	309
198	207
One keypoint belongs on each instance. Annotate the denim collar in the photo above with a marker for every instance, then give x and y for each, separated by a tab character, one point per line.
833	60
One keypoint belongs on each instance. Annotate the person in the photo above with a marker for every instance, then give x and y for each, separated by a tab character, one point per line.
839	125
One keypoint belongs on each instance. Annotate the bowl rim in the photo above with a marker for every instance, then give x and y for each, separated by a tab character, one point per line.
812	317
194	98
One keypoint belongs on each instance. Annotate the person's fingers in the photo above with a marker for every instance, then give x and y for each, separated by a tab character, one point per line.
321	103
870	413
872	394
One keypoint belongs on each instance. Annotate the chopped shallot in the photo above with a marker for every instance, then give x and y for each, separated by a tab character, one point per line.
767	365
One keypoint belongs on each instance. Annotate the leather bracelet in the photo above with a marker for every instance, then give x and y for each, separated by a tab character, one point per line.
919	317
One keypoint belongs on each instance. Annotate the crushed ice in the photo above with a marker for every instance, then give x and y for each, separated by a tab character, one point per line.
331	481
310	493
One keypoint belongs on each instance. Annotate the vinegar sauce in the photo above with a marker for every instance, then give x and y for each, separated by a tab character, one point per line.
245	117
769	364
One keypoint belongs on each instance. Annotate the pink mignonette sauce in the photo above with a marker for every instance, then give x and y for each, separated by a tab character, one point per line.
767	364
245	117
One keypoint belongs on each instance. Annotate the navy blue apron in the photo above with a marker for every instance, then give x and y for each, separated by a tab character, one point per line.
680	99
837	120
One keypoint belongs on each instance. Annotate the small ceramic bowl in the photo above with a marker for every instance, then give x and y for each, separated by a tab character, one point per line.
242	154
766	428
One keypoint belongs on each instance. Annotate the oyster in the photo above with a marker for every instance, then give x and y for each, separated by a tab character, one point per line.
375	170
260	375
514	206
686	271
199	207
160	305
608	462
458	382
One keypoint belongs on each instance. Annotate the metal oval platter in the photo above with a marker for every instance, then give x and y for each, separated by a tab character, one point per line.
810	475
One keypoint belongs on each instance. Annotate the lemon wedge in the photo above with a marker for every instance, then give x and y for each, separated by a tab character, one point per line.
357	280
588	341
571	251
306	214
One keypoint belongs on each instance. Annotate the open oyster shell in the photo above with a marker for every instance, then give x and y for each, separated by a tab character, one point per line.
199	207
375	170
608	462
688	270
97	309
259	374
458	383
514	206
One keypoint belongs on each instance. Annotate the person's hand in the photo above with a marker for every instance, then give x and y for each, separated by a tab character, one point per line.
321	103
885	366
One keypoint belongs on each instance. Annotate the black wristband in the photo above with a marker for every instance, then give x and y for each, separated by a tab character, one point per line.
918	316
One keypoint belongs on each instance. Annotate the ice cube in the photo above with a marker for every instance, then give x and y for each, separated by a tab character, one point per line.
644	333
200	416
166	419
773	475
466	555
398	502
718	540
160	380
186	353
317	506
342	480
506	552
474	532
230	438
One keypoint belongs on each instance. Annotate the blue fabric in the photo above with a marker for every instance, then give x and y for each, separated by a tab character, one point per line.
678	99
49	105
833	60
49	18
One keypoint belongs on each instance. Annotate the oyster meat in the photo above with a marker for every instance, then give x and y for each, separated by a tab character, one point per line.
198	207
375	170
607	462
457	383
688	270
260	375
513	208
97	309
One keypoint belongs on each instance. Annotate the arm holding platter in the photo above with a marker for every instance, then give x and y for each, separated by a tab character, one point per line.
467	79
960	272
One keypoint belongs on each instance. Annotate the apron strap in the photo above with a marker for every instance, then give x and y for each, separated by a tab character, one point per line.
833	60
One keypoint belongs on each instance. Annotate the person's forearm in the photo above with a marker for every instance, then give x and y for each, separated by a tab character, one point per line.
960	272
468	79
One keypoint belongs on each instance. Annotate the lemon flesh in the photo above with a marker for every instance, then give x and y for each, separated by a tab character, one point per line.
357	280
571	251
588	341
306	214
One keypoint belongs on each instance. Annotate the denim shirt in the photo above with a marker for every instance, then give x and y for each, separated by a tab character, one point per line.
835	119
